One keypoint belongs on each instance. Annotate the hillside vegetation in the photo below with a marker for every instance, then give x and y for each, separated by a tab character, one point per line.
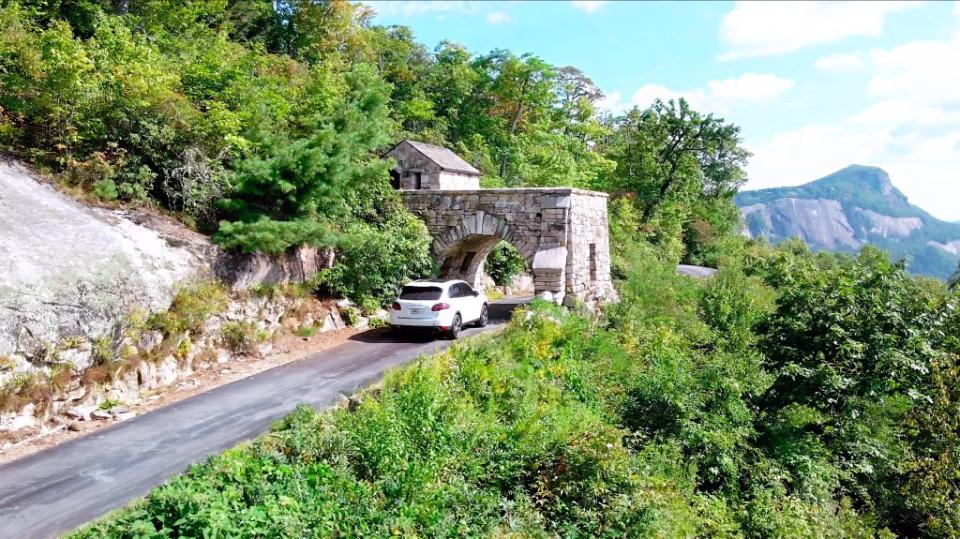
262	123
794	395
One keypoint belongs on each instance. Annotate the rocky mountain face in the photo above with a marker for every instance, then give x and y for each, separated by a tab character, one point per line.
851	208
70	271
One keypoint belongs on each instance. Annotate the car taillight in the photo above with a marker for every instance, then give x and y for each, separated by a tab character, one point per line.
396	305
439	307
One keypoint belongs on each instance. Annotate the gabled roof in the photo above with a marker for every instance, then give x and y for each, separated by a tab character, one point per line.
444	158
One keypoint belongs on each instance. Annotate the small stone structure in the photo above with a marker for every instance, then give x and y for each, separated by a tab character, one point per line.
425	166
562	233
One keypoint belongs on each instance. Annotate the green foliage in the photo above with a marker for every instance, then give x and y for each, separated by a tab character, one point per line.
281	198
373	262
242	336
504	263
191	307
681	169
109	404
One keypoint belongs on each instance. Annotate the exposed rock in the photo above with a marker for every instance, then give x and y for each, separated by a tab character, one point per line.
818	222
100	415
952	247
297	265
69	270
888	227
80	413
150	340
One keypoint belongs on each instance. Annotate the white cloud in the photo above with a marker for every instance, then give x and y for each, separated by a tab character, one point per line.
771	28
749	87
910	127
924	167
417	8
612	101
718	96
587	6
840	62
498	17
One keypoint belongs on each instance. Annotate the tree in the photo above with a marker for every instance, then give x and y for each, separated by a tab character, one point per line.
520	89
677	165
954	280
289	194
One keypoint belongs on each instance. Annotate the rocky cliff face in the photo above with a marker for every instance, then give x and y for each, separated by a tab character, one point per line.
69	270
848	209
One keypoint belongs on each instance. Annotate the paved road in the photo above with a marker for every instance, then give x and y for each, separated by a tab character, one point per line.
698	272
65	486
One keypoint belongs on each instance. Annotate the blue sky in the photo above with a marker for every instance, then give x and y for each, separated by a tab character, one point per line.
815	86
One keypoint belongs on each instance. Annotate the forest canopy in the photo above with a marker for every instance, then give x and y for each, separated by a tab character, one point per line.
258	121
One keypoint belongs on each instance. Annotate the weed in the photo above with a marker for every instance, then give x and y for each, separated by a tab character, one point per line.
240	337
190	309
306	331
110	404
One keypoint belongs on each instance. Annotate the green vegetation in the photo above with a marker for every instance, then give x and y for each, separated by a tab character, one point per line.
504	263
242	337
794	395
262	124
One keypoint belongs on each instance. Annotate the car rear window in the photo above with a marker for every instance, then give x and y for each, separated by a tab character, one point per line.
421	293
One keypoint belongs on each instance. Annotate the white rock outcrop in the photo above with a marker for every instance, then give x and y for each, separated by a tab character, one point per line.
69	270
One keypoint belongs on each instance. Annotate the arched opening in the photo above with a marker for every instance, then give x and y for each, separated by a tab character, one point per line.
464	259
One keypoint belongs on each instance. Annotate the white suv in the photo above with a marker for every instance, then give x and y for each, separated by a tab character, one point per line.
444	305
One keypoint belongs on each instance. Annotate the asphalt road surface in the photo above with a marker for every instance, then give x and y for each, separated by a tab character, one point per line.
58	489
698	272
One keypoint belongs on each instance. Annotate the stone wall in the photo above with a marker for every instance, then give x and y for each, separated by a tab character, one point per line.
553	228
415	162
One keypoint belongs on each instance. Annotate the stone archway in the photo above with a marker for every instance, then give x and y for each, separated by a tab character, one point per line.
561	232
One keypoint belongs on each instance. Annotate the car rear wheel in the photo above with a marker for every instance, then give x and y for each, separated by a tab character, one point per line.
484	317
455	327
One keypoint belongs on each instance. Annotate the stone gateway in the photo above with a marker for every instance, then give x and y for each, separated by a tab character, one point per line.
562	233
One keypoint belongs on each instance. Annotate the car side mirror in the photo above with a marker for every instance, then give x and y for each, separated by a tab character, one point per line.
475	293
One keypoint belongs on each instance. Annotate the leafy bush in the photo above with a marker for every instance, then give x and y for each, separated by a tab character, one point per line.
504	263
191	307
241	337
718	408
374	262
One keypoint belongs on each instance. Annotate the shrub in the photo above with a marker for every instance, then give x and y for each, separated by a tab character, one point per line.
192	306
241	337
504	263
373	263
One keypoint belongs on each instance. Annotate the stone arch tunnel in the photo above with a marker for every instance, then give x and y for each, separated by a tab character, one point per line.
561	232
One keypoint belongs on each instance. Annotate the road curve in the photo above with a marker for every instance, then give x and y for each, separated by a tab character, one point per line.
65	486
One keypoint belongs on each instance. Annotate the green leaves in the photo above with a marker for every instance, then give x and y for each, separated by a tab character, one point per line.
289	193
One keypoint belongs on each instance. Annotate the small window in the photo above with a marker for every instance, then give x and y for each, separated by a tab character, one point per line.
417	180
421	293
593	262
467	289
467	260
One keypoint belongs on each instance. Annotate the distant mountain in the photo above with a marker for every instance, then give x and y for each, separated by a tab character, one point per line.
851	208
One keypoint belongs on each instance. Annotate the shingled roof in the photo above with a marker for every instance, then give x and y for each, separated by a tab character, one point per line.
446	159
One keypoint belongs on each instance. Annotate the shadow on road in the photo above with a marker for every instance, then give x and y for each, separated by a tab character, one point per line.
500	312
